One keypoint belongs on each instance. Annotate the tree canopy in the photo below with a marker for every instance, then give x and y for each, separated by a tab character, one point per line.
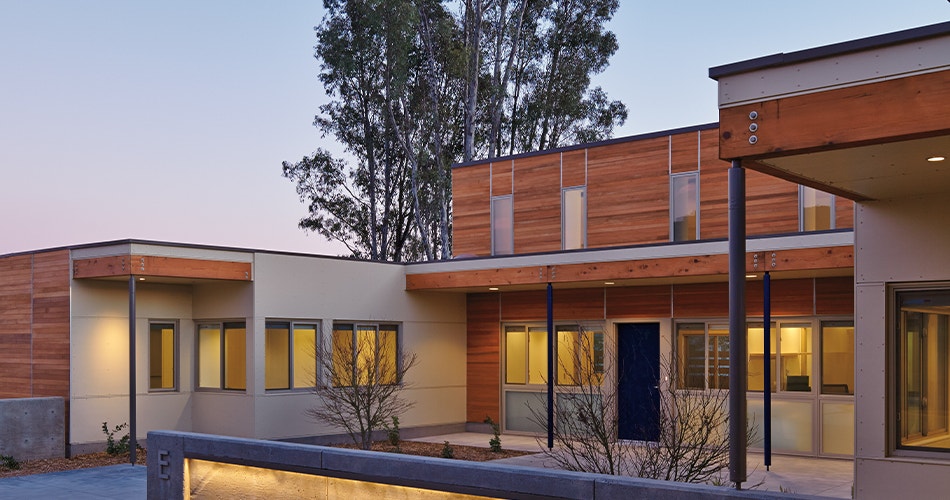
417	85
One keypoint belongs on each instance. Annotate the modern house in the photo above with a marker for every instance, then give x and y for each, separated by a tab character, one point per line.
623	244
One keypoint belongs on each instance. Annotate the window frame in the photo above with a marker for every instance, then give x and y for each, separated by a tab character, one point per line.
355	328
673	206
565	217
574	327
492	223
176	355
802	190
222	355
291	353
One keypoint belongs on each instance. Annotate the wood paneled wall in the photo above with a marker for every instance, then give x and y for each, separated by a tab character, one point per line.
628	198
34	325
487	311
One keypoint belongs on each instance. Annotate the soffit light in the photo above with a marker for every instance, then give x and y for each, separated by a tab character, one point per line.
936	158
608	282
493	288
751	276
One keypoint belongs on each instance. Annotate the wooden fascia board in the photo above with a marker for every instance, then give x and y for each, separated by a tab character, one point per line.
166	267
803	259
886	111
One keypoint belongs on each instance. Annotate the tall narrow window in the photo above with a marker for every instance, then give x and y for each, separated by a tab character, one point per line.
837	357
574	218
289	355
580	356
816	209
162	357
502	226
684	218
222	356
923	377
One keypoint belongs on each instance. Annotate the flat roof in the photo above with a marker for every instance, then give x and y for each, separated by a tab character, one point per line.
861	44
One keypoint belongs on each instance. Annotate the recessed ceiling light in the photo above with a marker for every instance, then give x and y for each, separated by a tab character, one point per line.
141	279
936	158
608	282
493	288
750	276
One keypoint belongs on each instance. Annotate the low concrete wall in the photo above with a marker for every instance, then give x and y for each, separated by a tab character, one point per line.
33	428
207	466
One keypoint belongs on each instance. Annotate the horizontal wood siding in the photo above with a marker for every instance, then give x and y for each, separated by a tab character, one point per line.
537	203
628	193
639	302
684	152
787	298
771	204
834	295
574	168
844	213
713	189
15	326
501	180
471	210
701	300
34	325
483	369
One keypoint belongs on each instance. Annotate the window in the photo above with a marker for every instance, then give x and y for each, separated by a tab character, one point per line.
684	220
922	370
579	354
502	226
837	357
162	356
290	350
697	348
365	354
816	209
573	218
222	349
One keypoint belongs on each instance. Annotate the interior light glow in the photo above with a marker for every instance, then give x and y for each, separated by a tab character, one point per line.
936	158
493	288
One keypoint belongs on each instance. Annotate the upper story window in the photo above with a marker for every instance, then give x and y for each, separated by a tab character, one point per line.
162	356
290	355
502	226
573	218
684	206
222	355
816	209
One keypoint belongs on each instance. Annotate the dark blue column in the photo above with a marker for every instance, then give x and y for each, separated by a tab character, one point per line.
550	366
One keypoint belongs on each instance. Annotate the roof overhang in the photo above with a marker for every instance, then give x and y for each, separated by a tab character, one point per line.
859	119
160	263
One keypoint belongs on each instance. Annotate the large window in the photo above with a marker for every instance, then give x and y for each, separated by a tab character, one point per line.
703	356
579	353
290	350
162	356
502	226
923	350
365	354
816	209
222	356
573	218
684	196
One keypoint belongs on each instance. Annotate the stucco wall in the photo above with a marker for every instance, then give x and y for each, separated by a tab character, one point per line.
896	242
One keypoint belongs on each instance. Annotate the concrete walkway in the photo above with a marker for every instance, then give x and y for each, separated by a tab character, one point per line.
802	475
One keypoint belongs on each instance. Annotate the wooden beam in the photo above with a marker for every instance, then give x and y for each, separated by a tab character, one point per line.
166	267
887	111
803	259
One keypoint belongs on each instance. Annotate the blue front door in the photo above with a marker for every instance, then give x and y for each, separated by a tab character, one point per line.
638	381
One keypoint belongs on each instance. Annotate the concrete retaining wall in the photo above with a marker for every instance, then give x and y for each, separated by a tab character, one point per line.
32	428
181	463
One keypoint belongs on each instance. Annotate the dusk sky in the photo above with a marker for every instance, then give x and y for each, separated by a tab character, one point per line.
168	120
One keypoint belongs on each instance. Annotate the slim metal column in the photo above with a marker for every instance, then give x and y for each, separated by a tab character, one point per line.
738	348
132	442
550	366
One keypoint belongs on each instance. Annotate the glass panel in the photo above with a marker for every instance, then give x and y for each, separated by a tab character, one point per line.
796	357
756	367
573	218
537	355
388	354
305	355
593	344
816	209
923	372
837	428
343	362
683	210
718	357
235	356
837	357
568	356
365	353
516	355
277	356
209	356
792	426
161	351
692	355
502	226
518	411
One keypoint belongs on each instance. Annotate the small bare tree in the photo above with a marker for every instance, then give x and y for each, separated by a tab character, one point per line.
364	375
693	443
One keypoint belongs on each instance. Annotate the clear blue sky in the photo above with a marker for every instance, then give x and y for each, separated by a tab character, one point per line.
168	120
